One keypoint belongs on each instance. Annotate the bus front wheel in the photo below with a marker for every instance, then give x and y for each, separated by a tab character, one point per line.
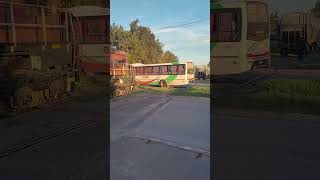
163	83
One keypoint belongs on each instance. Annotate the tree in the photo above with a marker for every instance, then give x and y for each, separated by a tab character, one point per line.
139	42
316	10
169	57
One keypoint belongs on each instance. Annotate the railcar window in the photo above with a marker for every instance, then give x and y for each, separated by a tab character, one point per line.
226	25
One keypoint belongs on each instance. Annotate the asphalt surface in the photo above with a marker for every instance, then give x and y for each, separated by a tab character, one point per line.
27	151
280	66
160	137
265	146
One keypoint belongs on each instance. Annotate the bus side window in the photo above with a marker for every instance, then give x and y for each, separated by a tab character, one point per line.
155	70
164	70
181	69
174	69
139	71
147	70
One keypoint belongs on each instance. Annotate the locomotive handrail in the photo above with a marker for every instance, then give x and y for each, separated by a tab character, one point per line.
125	71
31	25
32	5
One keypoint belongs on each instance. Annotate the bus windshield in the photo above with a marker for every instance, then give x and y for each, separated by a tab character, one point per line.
258	21
226	25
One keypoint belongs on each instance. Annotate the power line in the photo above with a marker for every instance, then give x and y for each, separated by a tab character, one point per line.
184	24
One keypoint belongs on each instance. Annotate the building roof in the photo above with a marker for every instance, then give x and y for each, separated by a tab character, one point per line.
142	65
114	51
85	11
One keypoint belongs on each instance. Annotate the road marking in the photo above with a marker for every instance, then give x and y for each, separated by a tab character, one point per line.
174	145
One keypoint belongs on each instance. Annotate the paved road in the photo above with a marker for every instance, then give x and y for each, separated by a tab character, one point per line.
161	137
265	146
78	153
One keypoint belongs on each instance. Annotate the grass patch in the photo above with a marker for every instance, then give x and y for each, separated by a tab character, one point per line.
151	90
90	88
287	96
197	91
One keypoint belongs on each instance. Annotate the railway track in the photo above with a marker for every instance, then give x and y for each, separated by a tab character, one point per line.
125	102
14	117
18	147
116	128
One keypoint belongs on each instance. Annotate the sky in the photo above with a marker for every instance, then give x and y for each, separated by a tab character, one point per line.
182	25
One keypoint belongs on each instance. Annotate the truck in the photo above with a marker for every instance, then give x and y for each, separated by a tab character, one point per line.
202	72
190	71
299	24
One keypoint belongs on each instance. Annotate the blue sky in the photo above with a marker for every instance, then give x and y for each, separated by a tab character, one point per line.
189	42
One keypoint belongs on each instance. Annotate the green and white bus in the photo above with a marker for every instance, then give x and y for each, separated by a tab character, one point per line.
163	75
240	36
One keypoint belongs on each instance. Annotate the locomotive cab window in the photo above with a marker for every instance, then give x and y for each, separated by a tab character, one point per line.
94	28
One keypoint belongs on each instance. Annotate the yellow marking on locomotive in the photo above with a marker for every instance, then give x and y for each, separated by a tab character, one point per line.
56	46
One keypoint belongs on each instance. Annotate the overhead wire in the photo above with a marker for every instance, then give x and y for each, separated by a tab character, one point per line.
184	24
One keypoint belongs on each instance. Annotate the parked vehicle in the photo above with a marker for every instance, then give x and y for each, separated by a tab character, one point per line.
190	71
299	24
203	72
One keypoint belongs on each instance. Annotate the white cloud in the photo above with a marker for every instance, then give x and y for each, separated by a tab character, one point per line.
192	43
167	30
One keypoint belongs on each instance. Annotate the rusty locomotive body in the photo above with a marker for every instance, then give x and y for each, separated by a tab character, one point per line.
40	56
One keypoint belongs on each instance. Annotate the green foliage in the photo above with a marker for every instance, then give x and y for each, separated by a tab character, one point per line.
140	43
168	56
197	91
316	10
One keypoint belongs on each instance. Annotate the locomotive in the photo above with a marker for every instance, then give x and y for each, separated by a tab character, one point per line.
41	50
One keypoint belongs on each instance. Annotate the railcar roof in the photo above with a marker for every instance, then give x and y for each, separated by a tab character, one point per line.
237	1
85	11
